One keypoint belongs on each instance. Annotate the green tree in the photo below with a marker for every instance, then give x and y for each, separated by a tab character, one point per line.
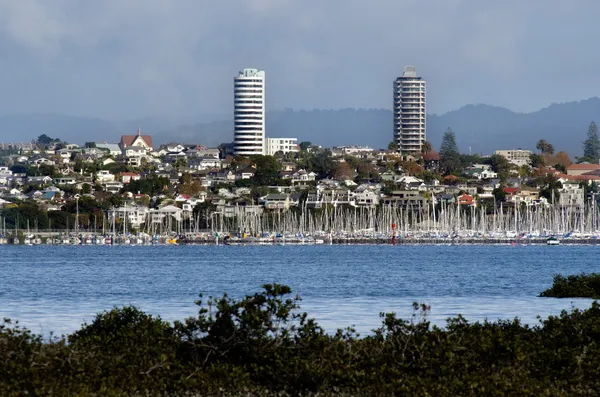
44	139
449	154
591	146
393	145
537	160
426	147
90	145
544	147
500	165
549	187
305	145
267	170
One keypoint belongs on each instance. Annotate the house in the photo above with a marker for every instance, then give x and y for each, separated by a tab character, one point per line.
581	169
112	149
103	176
288	166
134	151
42	161
571	195
302	176
276	201
65	181
113	186
247	173
466	200
366	198
139	140
127	177
39	180
208	152
431	161
204	163
332	196
136	216
406	199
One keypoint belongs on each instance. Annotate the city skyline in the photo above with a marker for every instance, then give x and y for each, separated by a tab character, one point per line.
114	60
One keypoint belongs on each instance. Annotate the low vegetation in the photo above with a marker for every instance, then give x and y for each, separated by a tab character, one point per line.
574	286
262	345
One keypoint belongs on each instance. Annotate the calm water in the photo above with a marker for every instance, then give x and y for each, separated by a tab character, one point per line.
58	288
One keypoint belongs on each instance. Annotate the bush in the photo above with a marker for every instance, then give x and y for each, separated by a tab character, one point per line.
263	345
574	286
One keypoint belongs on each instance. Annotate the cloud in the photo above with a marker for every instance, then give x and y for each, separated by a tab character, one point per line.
116	58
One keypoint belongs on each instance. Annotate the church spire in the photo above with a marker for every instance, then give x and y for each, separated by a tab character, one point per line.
139	131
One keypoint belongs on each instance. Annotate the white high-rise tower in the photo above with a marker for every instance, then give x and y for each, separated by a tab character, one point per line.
249	112
410	111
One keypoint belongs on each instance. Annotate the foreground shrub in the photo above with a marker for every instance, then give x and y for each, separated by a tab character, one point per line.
574	286
263	345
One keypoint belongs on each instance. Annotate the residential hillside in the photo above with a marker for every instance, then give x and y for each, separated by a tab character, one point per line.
479	128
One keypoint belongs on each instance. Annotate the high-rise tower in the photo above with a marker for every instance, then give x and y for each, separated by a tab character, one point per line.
409	111
249	112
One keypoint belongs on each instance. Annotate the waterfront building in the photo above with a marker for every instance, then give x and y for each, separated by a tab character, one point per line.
283	145
516	156
249	112
410	111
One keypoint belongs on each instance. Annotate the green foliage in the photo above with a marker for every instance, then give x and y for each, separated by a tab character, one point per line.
449	155
544	147
305	145
549	187
152	185
537	160
499	194
262	345
19	169
574	286
500	165
28	211
591	146
46	140
393	145
267	169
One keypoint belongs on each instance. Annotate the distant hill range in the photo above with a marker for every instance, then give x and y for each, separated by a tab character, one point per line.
479	128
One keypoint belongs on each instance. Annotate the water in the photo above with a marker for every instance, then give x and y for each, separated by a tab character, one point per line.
56	289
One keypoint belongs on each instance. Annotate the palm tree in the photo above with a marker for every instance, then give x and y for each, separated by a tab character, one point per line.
545	147
426	147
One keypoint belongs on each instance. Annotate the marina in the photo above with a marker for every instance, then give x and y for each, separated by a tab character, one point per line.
440	224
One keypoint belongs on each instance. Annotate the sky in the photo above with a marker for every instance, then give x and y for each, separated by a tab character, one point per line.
125	59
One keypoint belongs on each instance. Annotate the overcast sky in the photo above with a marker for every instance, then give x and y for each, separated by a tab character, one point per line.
177	58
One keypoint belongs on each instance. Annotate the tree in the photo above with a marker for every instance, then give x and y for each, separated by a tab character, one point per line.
189	185
500	165
591	146
537	160
499	194
305	145
549	187
426	147
267	169
90	145
86	188
367	171
393	146
449	154
44	139
544	147
343	171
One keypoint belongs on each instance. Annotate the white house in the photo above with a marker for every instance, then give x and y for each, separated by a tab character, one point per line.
103	176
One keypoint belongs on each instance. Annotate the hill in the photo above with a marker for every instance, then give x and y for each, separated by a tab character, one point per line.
479	128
